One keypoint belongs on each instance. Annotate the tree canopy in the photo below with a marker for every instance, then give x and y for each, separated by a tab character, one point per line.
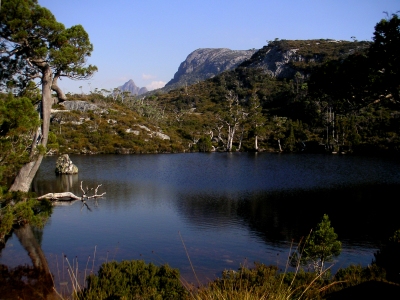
33	40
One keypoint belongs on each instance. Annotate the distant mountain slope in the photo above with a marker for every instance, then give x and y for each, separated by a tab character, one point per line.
205	63
283	58
130	86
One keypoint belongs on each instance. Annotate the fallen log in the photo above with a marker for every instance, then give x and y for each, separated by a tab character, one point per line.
68	196
60	196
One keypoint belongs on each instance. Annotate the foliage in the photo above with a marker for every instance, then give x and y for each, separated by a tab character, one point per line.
133	280
18	122
385	59
18	209
319	247
388	257
355	274
32	39
204	144
257	283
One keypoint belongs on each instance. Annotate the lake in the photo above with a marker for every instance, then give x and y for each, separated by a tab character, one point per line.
226	209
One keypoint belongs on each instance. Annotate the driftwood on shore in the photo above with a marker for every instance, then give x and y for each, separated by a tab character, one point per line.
68	196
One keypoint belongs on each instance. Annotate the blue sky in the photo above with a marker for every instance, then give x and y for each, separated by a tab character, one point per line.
147	40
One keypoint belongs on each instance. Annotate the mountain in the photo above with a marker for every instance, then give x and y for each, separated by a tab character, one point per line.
130	86
205	63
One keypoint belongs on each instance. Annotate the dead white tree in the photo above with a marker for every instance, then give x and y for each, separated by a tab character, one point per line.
68	196
231	117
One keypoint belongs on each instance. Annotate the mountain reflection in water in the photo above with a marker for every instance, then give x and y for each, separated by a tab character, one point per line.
229	208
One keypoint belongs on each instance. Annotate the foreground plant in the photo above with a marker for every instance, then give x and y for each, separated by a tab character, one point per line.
133	280
319	247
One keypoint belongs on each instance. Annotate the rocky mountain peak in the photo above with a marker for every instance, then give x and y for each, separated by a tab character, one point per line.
205	63
130	86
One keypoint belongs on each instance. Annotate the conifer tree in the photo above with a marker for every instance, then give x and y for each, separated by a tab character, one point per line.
319	247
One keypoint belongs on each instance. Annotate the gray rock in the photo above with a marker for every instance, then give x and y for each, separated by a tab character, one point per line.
135	132
79	105
205	63
161	136
64	165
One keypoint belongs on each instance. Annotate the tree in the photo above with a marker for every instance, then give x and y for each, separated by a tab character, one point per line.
256	118
277	129
232	117
319	247
34	45
365	77
18	121
388	257
385	59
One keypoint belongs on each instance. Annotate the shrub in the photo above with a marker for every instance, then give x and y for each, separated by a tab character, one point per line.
133	280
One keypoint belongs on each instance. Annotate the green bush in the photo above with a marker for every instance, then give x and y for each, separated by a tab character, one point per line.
134	280
205	144
387	257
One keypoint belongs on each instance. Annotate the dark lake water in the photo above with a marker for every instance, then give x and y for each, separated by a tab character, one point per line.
227	209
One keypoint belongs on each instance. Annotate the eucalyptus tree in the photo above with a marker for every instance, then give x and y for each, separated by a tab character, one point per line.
231	117
33	45
256	118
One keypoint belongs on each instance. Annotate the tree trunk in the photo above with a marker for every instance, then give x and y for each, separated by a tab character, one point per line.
60	94
23	180
231	134
279	144
256	143
241	139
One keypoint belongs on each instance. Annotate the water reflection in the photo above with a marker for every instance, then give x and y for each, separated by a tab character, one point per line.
228	207
280	216
24	281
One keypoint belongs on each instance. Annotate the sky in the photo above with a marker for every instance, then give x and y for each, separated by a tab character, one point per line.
146	40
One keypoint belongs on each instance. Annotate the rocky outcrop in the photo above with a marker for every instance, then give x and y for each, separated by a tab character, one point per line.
205	63
79	105
152	133
276	62
130	86
282	59
64	165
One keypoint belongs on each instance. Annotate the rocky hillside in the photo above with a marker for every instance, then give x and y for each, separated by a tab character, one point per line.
130	86
283	58
205	63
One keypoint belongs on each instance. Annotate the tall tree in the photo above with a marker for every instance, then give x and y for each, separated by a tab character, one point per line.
232	117
385	59
256	118
34	45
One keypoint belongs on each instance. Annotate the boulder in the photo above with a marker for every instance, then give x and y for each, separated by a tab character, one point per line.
64	165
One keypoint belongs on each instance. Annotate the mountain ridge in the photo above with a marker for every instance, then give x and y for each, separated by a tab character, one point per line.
130	86
205	63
